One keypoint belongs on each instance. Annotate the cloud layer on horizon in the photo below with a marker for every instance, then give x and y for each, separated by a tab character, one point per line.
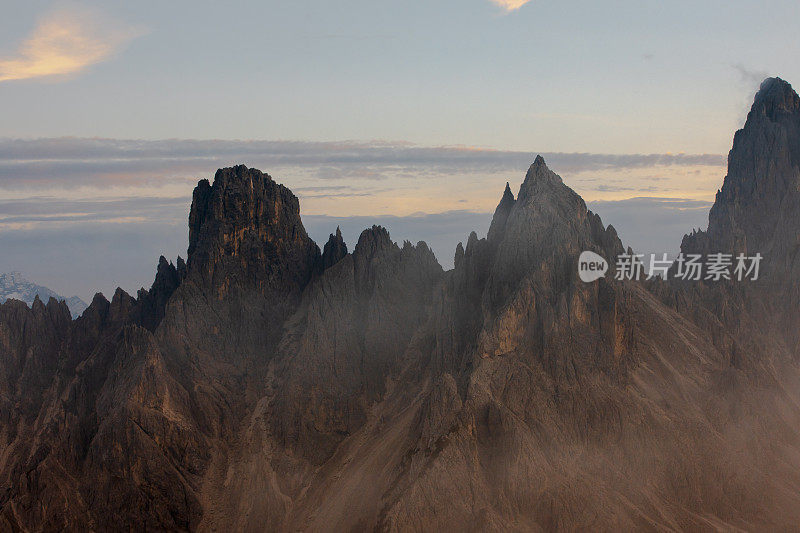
65	41
82	215
102	162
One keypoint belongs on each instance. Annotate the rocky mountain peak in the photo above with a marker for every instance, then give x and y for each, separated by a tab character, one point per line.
459	256
534	241
539	180
501	214
152	302
38	304
508	196
372	240
770	138
122	304
754	209
99	306
247	227
774	98
544	199
334	251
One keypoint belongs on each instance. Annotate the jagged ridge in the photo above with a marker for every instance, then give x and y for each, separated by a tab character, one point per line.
264	385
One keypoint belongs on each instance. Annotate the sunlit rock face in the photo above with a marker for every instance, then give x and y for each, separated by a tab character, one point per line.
245	228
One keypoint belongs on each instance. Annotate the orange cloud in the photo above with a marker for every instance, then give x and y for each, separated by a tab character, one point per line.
510	5
65	41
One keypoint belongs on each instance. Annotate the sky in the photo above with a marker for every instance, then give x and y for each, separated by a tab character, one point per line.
407	113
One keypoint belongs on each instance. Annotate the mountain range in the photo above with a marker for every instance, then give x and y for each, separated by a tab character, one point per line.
267	384
14	285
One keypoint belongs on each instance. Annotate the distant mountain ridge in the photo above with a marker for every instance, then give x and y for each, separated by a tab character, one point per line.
14	286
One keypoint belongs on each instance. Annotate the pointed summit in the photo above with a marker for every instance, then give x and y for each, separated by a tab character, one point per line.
153	302
335	249
538	180
544	232
501	214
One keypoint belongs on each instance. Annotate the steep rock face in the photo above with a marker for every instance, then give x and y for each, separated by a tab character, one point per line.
518	342
29	336
553	404
756	208
41	469
501	213
550	404
518	289
339	355
346	340
249	259
153	302
30	341
245	228
756	212
545	231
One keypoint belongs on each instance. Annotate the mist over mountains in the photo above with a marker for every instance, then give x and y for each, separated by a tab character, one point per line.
268	383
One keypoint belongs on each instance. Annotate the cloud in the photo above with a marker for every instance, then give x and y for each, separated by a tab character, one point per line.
40	212
751	76
74	162
510	5
66	41
621	188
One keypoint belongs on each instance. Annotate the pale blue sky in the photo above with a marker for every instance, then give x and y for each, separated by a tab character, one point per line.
611	76
442	102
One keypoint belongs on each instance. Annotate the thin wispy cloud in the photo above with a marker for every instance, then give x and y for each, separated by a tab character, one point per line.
65	41
510	5
750	76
